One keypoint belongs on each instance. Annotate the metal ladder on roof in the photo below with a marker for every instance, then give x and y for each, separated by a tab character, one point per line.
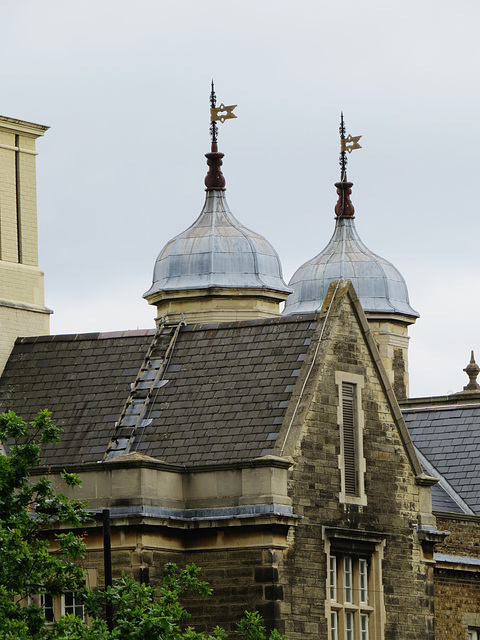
150	377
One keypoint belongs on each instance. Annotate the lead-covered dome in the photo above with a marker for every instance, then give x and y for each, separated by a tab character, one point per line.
379	285
217	270
217	251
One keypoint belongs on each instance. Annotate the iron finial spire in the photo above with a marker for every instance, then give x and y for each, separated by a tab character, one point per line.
344	207
343	152
213	123
347	143
215	180
218	114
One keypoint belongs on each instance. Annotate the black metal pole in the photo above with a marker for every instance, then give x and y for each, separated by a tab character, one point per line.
107	563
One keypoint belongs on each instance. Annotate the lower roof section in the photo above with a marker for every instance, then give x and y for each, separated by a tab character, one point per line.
227	390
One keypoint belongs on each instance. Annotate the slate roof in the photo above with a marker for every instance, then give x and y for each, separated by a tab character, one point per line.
229	386
449	437
442	501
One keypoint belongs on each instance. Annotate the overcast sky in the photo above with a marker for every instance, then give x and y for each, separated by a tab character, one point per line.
124	86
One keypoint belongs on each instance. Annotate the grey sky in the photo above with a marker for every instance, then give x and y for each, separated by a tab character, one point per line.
124	86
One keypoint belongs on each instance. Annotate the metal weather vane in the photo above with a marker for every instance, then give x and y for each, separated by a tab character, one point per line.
218	114
347	144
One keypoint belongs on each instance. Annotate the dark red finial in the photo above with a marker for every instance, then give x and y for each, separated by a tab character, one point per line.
215	180
344	207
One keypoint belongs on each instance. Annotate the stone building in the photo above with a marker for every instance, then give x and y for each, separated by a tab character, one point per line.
446	432
270	449
22	305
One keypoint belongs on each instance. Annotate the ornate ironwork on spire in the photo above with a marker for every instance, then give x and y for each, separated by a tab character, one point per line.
344	207
218	114
347	143
213	123
215	179
343	152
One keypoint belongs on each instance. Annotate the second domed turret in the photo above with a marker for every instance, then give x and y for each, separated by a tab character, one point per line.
379	285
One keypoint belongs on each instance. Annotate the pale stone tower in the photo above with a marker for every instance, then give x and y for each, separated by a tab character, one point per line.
22	307
379	285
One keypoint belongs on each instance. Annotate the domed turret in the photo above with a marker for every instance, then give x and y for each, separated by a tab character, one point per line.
217	270
217	251
379	285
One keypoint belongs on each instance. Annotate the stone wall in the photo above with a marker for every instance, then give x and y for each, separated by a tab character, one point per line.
22	308
241	578
390	515
457	585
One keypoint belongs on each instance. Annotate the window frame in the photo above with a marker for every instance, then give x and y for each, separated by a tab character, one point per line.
366	610
72	608
47	603
54	607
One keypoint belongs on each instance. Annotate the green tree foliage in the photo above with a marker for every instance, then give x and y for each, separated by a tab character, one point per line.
27	505
145	613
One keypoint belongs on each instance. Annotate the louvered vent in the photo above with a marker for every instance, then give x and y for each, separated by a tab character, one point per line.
349	444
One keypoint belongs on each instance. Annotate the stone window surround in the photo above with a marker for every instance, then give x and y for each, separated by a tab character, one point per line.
471	622
359	382
341	544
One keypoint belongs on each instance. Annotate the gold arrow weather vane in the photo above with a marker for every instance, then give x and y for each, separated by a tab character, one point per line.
350	143
222	113
347	143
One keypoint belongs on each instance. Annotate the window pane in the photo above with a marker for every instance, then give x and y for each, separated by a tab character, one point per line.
362	568
333	578
46	602
364	627
334	626
349	626
347	574
73	605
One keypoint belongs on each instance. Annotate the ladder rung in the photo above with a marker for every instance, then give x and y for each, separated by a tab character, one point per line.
120	444
131	421
149	377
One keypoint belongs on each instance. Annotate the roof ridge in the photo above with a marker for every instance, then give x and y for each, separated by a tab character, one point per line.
450	407
234	324
96	335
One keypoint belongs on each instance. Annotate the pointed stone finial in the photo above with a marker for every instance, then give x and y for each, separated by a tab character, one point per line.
472	370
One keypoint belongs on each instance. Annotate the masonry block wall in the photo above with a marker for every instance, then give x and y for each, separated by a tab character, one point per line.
22	308
241	578
457	587
390	512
